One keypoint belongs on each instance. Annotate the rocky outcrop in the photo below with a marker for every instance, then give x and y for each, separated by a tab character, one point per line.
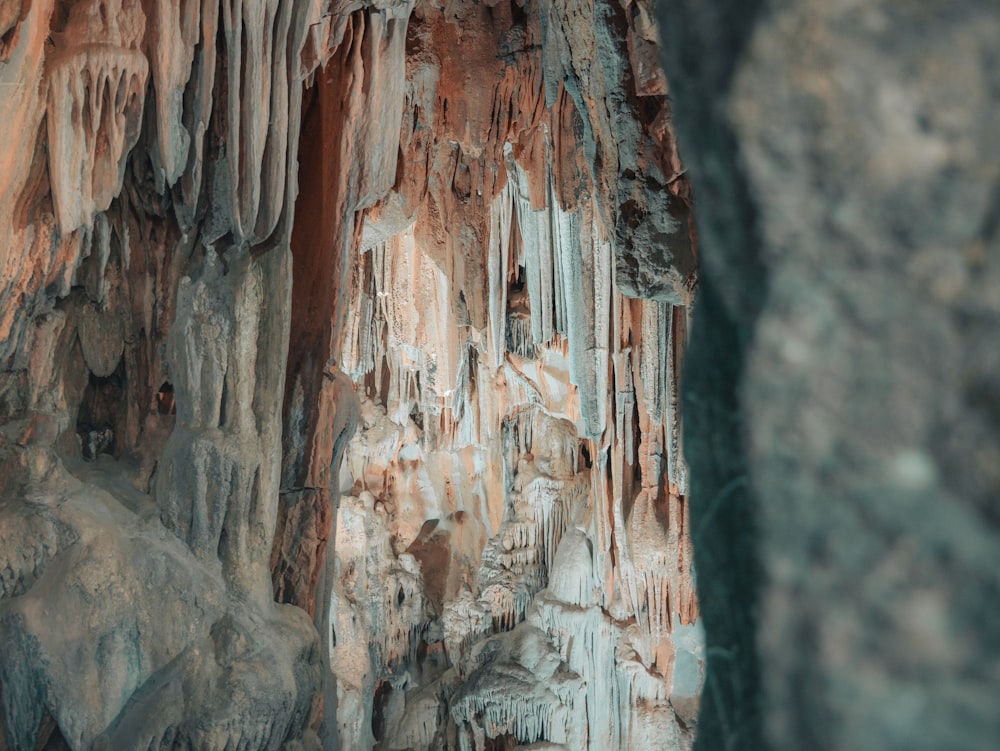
373	310
511	395
839	382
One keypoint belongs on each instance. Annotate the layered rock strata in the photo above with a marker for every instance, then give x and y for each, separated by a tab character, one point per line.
339	354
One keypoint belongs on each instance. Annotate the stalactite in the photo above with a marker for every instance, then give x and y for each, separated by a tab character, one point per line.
426	414
95	108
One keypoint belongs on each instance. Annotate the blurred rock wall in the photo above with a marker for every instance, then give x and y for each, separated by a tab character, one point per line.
841	382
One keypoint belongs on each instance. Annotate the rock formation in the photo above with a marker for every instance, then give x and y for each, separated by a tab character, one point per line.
340	352
341	348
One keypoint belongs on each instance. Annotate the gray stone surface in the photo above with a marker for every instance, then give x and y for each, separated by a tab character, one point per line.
116	633
842	384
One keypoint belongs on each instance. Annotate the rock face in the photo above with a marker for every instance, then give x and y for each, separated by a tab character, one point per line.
339	355
841	383
145	289
511	562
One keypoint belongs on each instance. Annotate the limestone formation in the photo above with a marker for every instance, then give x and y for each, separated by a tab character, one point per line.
341	357
142	343
371	309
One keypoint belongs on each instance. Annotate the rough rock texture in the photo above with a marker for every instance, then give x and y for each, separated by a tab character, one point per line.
841	383
515	456
145	316
373	309
376	310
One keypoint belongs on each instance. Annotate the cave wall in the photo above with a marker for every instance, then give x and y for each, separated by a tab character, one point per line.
339	354
146	280
840	383
377	310
493	389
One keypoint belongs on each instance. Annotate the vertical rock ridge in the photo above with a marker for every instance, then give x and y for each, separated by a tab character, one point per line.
826	499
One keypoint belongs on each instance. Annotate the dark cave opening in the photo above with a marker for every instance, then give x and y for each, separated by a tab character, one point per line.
165	403
506	742
518	318
383	692
50	737
100	420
